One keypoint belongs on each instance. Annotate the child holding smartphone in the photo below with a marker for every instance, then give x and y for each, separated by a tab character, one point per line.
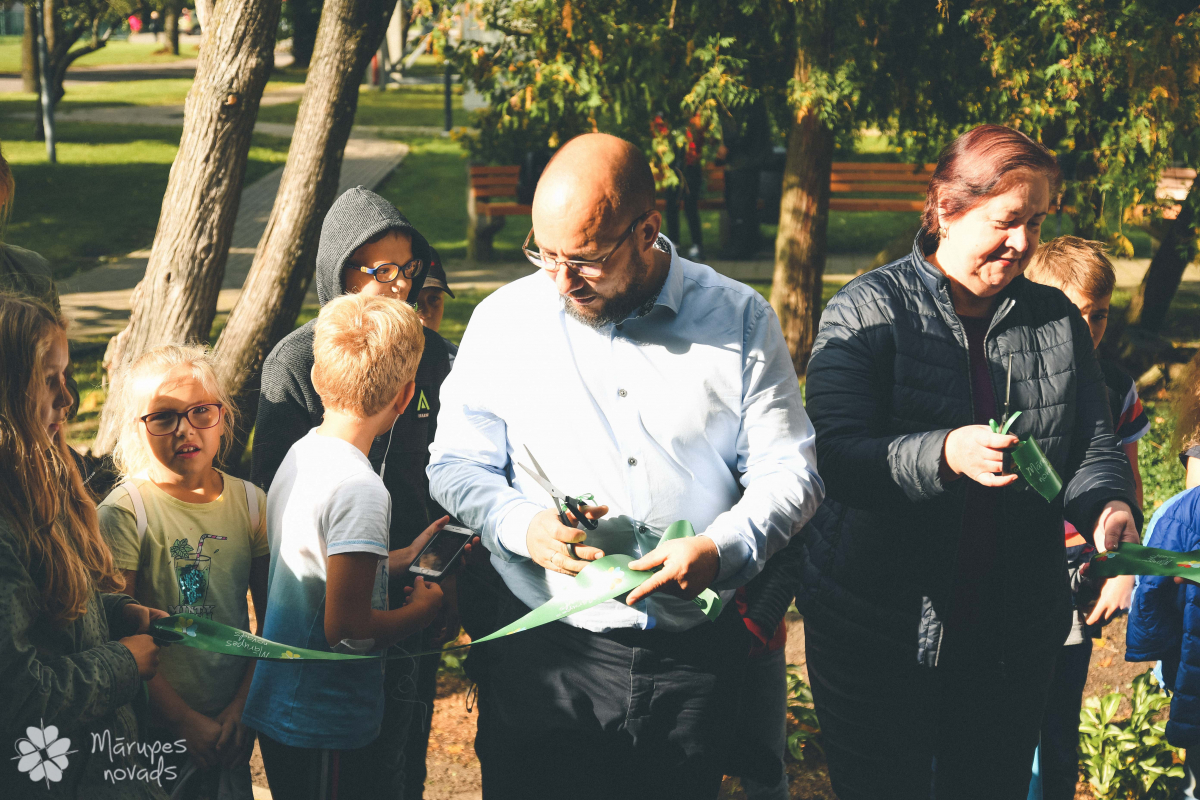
190	539
329	516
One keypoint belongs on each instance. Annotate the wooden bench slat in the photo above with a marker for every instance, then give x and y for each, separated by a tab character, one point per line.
492	180
867	204
883	166
502	209
505	170
841	187
494	191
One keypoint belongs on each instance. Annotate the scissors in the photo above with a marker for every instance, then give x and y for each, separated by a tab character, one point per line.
562	502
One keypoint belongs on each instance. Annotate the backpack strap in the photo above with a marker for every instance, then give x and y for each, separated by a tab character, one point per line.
251	504
139	509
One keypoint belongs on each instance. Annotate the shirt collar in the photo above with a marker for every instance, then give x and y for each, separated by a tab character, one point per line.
671	294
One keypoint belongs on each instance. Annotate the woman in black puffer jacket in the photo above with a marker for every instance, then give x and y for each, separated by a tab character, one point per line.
934	587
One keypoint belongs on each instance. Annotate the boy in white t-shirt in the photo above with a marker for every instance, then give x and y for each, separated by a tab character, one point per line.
328	517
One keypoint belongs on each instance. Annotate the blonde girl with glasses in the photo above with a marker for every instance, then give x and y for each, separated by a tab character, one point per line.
73	651
190	539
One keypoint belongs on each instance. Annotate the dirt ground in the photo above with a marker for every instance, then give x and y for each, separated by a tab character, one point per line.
454	770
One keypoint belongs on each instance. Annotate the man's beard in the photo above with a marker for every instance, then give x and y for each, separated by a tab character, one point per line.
616	308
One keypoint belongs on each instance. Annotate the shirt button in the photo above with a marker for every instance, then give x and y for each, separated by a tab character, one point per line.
621	393
633	462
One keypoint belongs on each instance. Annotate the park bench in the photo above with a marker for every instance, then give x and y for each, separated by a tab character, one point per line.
492	195
854	186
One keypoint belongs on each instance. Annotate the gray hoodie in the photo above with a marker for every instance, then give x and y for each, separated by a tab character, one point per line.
289	406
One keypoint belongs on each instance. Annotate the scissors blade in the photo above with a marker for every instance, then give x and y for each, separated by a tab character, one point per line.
558	496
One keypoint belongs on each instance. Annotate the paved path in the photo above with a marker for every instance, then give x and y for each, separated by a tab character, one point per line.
97	301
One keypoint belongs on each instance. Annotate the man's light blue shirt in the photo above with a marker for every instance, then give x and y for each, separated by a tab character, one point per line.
692	411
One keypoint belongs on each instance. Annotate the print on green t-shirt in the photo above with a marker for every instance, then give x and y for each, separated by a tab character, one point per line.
192	570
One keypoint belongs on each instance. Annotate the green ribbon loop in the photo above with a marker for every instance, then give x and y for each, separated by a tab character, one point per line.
1134	559
603	579
1031	463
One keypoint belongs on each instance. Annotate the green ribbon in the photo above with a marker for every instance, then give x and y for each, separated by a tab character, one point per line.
604	579
1031	463
1134	559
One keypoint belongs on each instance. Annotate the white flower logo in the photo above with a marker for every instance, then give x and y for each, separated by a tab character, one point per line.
43	755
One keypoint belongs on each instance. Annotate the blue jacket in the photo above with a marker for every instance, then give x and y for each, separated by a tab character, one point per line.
1164	621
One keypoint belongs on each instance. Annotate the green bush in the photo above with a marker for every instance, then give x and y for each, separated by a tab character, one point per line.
1129	761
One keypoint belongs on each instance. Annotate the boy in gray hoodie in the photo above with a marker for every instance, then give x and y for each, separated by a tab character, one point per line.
367	245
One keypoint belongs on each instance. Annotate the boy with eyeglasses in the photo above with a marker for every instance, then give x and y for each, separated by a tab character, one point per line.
366	247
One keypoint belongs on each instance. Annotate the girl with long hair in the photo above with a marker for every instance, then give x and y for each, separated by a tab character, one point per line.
73	652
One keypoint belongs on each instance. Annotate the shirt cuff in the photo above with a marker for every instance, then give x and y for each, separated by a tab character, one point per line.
512	529
733	552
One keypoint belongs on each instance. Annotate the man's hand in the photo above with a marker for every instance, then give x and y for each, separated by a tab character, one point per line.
139	617
547	540
1115	525
978	453
236	741
1115	595
688	567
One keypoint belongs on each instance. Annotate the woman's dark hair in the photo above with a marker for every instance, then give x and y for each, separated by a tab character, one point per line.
977	165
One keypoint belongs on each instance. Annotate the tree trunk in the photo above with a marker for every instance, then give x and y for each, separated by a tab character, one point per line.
1148	307
801	243
176	300
349	34
30	80
203	16
171	26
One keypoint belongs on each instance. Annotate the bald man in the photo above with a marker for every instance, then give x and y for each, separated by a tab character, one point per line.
666	391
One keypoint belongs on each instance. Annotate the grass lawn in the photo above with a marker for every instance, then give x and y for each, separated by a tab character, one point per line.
104	196
158	92
115	52
417	105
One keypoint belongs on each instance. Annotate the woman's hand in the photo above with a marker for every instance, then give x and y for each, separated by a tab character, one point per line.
1116	595
978	453
1115	525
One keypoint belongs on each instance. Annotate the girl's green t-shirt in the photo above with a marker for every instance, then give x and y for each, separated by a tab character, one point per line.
193	559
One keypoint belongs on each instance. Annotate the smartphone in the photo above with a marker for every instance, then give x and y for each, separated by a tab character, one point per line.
441	552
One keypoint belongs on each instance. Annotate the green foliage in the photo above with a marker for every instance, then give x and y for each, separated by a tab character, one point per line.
1130	760
1158	461
181	549
800	704
1111	86
564	68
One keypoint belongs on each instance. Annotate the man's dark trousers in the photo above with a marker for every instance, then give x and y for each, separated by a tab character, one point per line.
566	713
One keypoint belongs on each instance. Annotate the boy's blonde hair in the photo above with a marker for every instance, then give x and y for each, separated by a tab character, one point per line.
131	455
365	349
1069	262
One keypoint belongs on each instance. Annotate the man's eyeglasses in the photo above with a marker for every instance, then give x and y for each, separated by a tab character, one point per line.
386	273
165	423
582	268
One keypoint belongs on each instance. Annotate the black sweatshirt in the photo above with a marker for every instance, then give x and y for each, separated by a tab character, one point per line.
289	406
